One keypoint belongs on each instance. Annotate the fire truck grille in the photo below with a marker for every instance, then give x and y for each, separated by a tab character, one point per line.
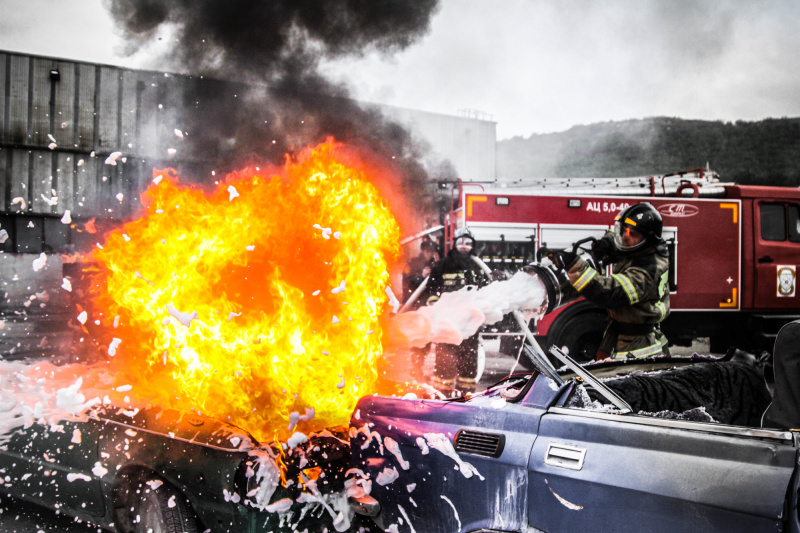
476	443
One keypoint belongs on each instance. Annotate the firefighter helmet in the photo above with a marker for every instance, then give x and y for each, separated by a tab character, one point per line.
463	233
463	241
427	244
637	226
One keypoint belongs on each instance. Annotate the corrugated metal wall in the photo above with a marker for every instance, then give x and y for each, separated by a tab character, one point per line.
59	120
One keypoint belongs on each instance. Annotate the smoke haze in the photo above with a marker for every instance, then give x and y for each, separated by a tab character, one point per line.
271	51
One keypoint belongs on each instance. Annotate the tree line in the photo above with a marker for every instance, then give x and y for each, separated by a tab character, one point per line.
765	152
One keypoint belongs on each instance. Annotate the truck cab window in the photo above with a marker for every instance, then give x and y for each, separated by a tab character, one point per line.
773	222
794	223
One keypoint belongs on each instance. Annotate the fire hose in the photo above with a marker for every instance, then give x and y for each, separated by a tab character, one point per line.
537	355
559	293
414	295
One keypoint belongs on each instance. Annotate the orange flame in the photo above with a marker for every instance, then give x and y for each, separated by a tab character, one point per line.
261	298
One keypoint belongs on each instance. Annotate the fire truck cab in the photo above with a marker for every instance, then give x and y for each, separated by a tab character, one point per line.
734	250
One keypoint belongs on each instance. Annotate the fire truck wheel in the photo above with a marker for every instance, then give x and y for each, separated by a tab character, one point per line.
581	334
511	344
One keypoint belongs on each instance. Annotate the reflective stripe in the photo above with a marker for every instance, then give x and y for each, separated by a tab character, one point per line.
585	278
654	349
440	383
627	285
467	388
662	309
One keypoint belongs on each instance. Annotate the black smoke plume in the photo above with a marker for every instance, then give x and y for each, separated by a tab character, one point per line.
271	99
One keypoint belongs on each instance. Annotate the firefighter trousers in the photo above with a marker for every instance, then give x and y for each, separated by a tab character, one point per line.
457	365
630	346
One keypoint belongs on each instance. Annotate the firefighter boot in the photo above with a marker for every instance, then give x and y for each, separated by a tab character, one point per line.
467	386
445	386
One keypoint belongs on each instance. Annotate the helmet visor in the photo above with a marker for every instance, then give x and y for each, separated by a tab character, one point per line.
626	238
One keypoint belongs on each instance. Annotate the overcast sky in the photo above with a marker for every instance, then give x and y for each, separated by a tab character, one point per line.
533	66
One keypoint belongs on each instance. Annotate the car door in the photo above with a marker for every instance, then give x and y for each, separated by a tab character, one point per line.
52	464
478	485
777	255
602	471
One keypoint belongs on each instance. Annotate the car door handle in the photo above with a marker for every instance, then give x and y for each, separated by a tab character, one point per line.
765	259
565	456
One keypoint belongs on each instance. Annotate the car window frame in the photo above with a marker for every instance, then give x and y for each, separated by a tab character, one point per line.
705	427
622	411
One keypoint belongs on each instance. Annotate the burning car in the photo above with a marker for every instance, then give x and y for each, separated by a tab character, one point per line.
223	336
672	450
156	469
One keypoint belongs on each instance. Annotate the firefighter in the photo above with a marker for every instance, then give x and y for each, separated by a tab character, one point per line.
419	268
456	365
417	271
636	294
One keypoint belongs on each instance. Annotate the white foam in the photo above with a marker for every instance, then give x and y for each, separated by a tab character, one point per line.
394	449
112	158
439	442
39	262
183	318
458	315
386	476
295	439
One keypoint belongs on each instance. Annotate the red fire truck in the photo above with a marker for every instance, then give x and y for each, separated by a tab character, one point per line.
734	250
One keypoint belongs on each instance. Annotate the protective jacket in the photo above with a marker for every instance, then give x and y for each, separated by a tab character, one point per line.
412	275
636	295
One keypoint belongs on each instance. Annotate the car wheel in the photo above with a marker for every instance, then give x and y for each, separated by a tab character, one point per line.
151	505
165	510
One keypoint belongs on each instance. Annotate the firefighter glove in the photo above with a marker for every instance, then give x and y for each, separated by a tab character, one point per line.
603	249
562	258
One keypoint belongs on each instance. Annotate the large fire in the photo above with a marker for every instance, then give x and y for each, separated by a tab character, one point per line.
260	298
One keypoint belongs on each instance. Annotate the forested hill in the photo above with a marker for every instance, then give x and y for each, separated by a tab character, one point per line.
766	152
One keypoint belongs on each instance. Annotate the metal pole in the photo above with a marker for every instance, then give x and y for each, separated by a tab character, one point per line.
414	295
421	234
538	355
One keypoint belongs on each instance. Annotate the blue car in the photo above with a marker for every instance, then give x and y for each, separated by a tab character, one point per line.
683	448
